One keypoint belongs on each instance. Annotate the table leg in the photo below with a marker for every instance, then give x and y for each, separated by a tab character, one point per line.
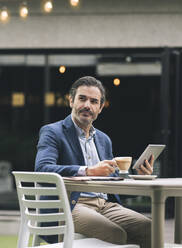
178	220
158	218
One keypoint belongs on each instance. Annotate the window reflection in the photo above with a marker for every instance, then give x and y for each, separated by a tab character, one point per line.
49	99
18	99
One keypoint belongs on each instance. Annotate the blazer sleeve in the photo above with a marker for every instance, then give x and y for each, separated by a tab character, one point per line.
47	157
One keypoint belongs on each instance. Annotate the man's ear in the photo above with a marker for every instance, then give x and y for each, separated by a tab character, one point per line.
101	108
71	101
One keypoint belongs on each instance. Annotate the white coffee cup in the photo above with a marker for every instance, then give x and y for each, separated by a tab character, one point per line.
123	163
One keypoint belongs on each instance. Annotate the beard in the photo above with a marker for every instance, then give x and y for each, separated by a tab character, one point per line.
84	116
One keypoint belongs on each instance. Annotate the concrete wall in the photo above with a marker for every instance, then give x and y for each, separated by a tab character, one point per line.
95	24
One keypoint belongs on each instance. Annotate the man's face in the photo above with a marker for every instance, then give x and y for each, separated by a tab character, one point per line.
86	105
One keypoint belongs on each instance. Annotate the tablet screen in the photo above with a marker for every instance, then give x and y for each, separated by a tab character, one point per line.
150	150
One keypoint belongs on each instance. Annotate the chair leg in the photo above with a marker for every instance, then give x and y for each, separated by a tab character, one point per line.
23	237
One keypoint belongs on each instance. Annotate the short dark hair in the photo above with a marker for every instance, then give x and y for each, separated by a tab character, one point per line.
88	81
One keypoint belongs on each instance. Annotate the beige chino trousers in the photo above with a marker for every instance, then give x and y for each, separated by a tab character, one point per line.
97	218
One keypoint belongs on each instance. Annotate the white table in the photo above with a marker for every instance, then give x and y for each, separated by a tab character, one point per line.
158	190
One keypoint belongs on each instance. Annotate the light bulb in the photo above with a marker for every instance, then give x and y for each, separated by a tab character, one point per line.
23	10
4	16
74	2
62	69
48	6
116	81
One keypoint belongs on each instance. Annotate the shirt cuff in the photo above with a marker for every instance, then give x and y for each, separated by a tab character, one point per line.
82	171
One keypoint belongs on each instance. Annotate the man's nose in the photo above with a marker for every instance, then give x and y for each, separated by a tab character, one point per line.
87	104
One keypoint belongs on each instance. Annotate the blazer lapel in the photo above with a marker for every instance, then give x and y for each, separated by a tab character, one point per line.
70	133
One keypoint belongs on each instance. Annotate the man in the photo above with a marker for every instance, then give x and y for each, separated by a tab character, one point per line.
73	147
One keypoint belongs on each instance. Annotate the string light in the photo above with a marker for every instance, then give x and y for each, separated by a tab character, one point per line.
4	15
48	6
116	81
62	69
23	10
74	3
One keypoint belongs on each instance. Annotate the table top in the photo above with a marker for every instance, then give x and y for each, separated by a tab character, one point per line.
162	182
171	186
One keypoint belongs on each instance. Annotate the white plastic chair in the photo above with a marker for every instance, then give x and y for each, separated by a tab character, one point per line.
37	240
28	195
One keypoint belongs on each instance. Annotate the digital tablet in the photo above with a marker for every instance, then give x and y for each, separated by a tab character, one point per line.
151	149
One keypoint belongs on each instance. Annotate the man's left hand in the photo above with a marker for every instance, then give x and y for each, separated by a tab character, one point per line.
146	169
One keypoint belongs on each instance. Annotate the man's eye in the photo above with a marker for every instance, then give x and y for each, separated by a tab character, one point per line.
94	101
82	98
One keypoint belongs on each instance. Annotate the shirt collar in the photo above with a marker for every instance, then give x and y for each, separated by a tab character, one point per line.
80	131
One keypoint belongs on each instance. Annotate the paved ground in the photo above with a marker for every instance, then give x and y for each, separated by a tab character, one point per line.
10	220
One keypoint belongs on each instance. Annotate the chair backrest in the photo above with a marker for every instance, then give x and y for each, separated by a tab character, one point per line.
33	189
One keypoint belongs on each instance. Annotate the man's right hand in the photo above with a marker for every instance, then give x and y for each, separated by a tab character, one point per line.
103	168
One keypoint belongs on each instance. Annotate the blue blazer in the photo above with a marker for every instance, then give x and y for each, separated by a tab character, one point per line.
59	151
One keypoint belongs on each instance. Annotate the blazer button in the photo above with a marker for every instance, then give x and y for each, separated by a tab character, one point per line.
73	202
